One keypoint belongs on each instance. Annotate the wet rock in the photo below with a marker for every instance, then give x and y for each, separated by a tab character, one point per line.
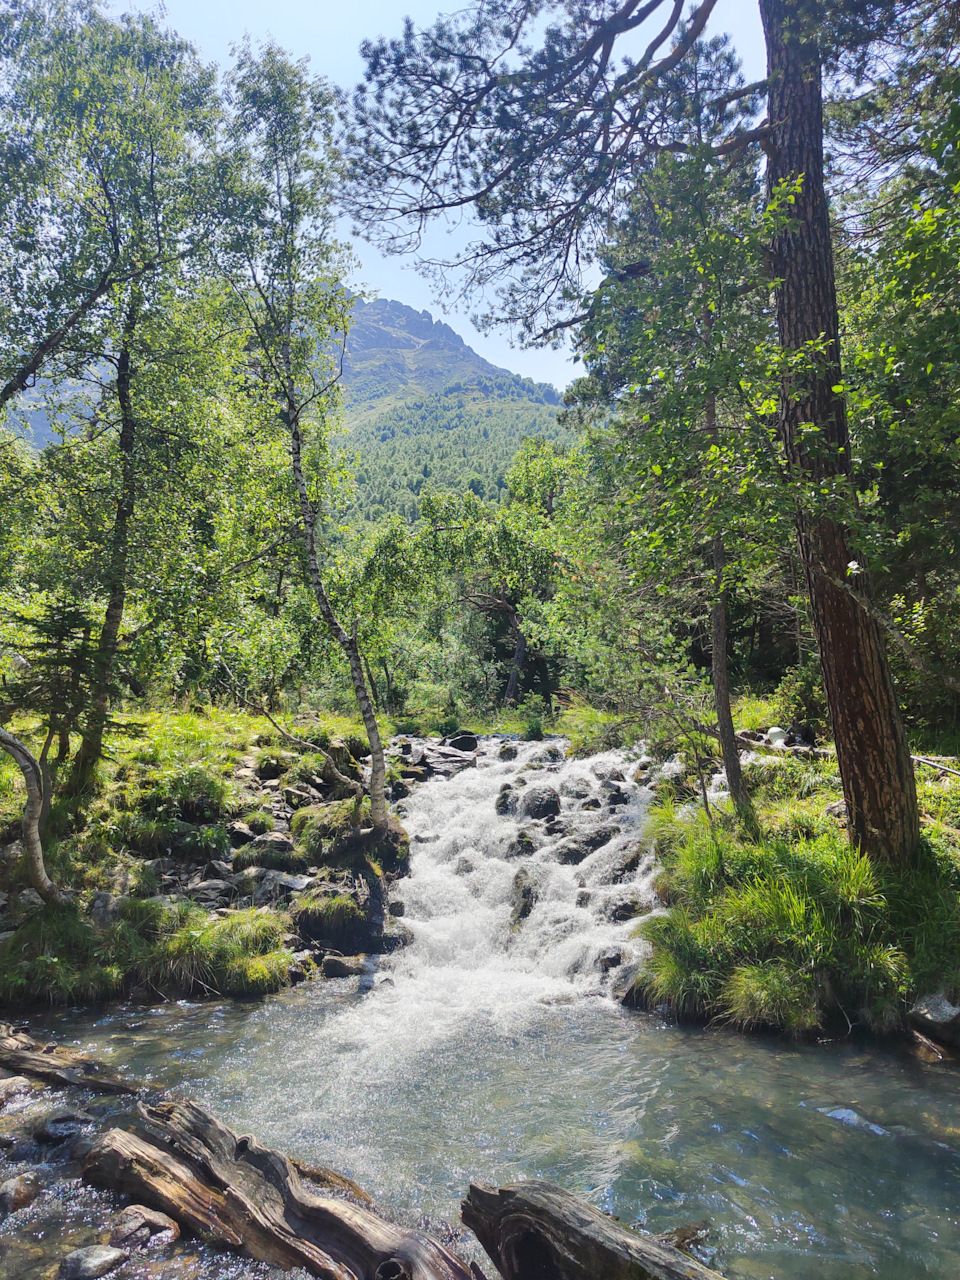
58	1126
506	802
592	803
13	1087
574	789
463	742
522	844
629	909
540	802
549	755
527	889
342	966
396	937
617	798
612	958
17	1193
396	908
91	1263
572	851
507	752
937	1017
240	834
583	898
137	1225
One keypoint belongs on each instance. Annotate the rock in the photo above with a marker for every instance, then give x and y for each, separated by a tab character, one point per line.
616	798
540	802
627	910
612	958
58	1126
592	803
273	842
13	1087
527	888
838	809
301	796
17	1193
776	736
521	846
210	889
29	901
342	966
162	866
583	898
396	908
574	790
137	1224
240	834
507	752
506	802
90	1263
463	742
276	885
549	755
572	851
937	1017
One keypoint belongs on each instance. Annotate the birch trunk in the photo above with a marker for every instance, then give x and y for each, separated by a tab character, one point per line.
32	812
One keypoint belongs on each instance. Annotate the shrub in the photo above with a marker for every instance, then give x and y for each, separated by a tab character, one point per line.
273	857
194	794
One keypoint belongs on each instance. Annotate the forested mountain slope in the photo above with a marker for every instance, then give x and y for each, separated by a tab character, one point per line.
422	409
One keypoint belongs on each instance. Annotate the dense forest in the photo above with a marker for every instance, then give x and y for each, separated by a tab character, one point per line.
745	517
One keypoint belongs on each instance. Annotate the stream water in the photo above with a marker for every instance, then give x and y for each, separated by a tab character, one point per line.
486	1052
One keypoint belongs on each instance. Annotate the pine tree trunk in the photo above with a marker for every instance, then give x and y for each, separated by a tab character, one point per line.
91	744
872	752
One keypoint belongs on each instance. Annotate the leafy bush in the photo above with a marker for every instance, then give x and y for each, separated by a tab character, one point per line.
800	698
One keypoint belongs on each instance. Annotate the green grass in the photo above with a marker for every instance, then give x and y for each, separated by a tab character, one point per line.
796	930
335	919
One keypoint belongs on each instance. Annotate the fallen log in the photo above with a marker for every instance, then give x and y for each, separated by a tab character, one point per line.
234	1192
534	1231
23	1055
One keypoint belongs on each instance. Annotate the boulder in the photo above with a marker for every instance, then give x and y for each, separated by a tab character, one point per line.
342	966
592	803
572	851
574	789
58	1126
277	886
527	889
16	1193
540	802
463	742
240	834
937	1017
522	844
29	901
617	798
90	1263
507	752
137	1224
506	802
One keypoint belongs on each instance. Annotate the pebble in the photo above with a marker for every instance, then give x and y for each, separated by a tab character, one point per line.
17	1193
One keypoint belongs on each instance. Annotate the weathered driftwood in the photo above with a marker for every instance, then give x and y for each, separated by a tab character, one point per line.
19	1053
237	1193
534	1231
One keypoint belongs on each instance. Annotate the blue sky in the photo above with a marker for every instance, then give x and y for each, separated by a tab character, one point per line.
330	34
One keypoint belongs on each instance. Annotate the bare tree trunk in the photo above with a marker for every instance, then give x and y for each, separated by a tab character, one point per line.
91	744
345	639
721	696
878	781
32	811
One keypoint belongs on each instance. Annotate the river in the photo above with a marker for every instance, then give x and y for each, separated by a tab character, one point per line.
483	1051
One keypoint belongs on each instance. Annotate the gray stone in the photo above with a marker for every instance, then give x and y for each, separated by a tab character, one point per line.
104	909
616	798
540	802
58	1126
17	1193
572	851
137	1224
29	901
281	841
592	803
283	885
240	834
396	908
463	742
90	1263
507	752
506	802
937	1017
574	789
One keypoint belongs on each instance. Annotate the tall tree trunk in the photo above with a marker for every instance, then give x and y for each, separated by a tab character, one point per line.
91	745
32	815
729	747
872	752
345	639
516	668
